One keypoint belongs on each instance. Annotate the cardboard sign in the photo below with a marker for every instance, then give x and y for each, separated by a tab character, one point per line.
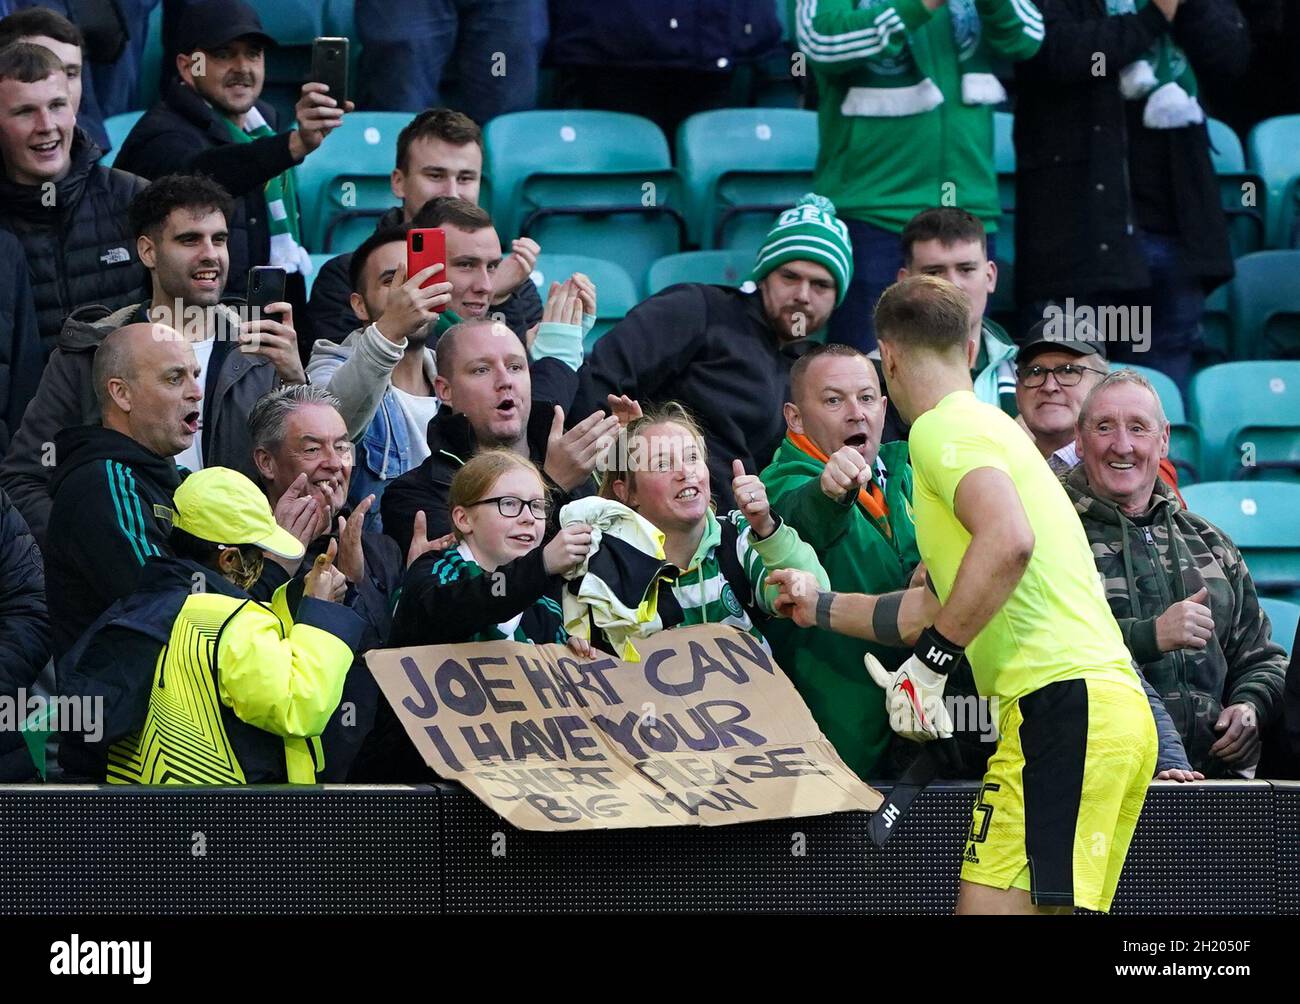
704	730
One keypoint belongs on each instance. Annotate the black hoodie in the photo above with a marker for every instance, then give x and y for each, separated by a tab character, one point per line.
112	512
77	239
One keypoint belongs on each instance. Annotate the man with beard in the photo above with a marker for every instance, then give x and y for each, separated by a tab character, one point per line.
211	120
180	223
726	353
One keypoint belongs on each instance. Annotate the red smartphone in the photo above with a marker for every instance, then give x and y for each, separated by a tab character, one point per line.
427	246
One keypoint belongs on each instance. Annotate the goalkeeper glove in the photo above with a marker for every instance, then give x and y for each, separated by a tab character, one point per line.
914	691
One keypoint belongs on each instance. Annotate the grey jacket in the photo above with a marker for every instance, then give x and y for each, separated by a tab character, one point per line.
358	371
233	381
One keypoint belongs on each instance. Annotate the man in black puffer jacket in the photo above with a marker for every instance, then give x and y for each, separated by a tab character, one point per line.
68	212
24	630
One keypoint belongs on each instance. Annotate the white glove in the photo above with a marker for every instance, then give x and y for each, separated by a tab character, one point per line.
913	699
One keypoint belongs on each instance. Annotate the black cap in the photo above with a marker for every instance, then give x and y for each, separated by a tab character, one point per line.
214	23
1062	333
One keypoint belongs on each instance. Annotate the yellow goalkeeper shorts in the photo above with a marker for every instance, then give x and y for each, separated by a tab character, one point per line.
1063	792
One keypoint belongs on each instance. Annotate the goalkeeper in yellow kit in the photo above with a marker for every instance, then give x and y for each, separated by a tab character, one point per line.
1018	595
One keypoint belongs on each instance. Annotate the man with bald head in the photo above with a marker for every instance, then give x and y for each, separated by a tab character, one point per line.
113	485
849	497
491	396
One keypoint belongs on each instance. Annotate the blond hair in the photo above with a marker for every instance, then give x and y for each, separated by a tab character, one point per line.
624	456
924	312
473	481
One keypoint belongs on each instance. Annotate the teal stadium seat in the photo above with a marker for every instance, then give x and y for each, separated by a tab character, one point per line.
118	127
146	86
1284	618
616	293
1241	193
1184	437
722	268
1250	411
1260	517
1216	324
344	187
1265	303
1004	161
741	167
294	24
1274	149
317	260
586	182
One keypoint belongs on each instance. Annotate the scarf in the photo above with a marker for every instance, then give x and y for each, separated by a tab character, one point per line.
901	87
281	201
870	495
1163	76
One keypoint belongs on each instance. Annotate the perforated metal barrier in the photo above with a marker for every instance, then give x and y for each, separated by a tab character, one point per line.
1200	849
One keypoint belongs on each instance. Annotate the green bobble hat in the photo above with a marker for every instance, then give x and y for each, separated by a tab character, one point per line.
810	231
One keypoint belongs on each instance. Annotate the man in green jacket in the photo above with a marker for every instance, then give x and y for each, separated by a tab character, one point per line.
850	498
906	120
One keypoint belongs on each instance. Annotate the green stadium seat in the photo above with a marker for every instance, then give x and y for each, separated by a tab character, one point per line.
1260	517
146	87
722	268
1004	161
1284	617
118	127
317	260
293	24
1184	437
344	188
1274	151
582	181
1265	303
1247	223
743	166
1216	324
1249	410
616	293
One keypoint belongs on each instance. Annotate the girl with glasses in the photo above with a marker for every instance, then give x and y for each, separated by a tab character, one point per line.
498	581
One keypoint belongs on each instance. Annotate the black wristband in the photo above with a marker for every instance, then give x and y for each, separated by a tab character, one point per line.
937	652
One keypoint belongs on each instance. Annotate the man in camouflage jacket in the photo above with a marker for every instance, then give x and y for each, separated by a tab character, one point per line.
1177	584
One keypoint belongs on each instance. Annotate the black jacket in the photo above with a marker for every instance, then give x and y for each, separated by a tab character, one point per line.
79	246
24	630
116	660
451	440
233	382
22	355
112	511
330	310
633	35
711	348
182	133
372	601
1075	226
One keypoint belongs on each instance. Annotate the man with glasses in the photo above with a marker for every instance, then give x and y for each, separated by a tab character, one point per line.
1053	376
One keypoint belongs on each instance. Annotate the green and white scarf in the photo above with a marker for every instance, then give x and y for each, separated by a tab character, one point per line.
281	201
1163	76
900	85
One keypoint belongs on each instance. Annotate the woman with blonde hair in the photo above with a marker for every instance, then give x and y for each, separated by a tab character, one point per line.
658	469
498	581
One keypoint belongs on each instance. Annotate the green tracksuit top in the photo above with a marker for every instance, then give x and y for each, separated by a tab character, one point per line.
905	115
859	556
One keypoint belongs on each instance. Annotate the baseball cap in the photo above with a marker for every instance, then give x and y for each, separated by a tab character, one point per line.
214	23
1063	333
222	506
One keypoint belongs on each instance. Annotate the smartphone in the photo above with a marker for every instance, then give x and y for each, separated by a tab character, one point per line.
265	286
329	65
424	247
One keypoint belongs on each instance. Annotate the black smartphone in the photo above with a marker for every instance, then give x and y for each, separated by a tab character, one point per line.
329	65
265	286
